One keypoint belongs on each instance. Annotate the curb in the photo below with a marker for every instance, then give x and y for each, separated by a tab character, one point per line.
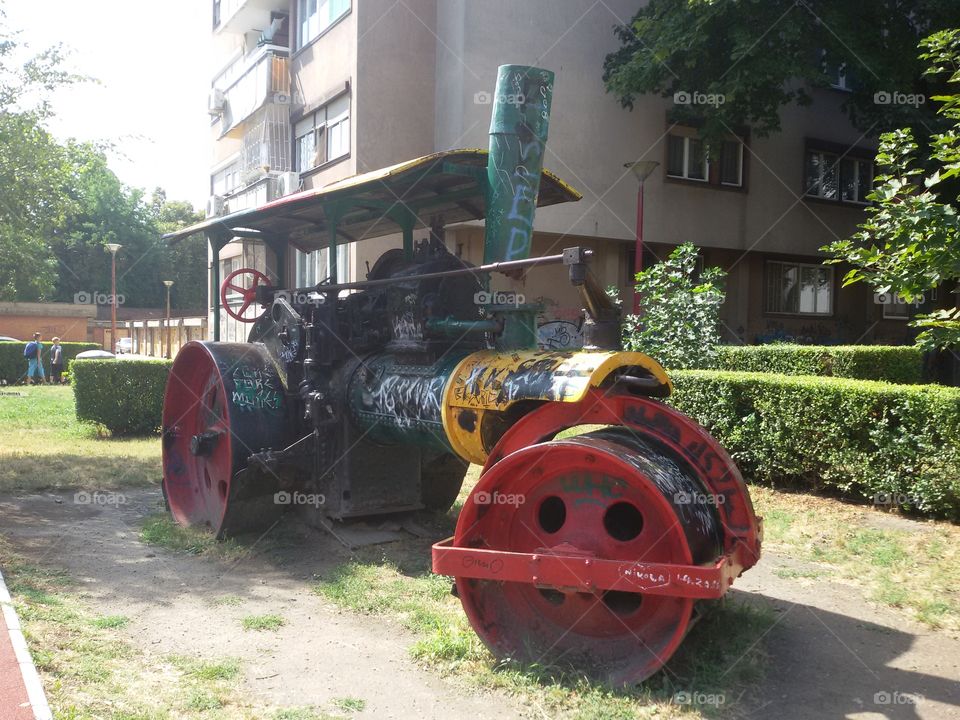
31	680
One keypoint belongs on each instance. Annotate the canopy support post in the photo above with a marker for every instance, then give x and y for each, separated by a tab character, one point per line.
217	241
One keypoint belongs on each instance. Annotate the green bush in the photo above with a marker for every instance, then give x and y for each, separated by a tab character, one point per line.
13	365
893	444
890	363
680	322
125	396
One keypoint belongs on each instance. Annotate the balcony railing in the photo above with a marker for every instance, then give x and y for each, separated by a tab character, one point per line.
265	80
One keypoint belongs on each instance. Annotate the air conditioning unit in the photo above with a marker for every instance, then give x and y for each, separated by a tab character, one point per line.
215	206
289	183
216	102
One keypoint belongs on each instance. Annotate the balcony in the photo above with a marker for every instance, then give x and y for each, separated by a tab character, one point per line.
241	16
263	78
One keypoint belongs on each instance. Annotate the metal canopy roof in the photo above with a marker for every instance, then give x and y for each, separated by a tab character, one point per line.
446	187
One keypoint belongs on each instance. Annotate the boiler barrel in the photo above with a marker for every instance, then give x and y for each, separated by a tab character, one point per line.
397	402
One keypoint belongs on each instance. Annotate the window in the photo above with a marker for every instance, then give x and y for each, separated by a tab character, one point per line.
895	307
686	158
856	177
323	135
316	16
828	176
839	74
313	268
731	163
896	311
226	180
799	289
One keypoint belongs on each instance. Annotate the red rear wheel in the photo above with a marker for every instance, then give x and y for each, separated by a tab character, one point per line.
223	403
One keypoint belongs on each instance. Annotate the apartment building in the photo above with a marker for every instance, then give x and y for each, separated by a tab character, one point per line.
312	91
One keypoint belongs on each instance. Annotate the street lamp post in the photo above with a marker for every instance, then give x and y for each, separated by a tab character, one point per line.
112	249
168	283
641	170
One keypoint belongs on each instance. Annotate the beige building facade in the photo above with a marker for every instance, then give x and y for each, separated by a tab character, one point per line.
313	91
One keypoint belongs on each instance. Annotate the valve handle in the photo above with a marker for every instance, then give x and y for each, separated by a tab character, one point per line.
249	294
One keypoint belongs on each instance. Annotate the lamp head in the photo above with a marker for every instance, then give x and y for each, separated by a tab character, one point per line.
642	168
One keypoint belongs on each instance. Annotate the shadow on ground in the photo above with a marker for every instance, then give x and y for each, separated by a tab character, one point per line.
830	655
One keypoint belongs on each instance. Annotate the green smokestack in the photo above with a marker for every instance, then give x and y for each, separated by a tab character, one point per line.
518	136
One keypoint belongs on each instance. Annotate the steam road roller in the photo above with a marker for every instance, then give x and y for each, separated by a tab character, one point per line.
373	396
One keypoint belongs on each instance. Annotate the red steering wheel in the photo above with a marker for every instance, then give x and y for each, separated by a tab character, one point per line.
249	294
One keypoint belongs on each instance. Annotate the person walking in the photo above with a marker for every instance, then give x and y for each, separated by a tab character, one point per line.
56	362
33	352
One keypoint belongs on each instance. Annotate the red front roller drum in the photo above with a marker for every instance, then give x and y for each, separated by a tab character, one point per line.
612	494
223	403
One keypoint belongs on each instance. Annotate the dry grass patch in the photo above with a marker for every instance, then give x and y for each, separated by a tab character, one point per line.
912	565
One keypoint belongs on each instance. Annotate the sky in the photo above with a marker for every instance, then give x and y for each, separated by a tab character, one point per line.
153	67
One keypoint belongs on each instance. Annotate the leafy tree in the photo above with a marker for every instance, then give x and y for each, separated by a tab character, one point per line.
186	262
103	210
32	182
759	55
60	204
910	242
32	201
680	324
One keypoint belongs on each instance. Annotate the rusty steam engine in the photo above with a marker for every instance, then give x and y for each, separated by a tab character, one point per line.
376	395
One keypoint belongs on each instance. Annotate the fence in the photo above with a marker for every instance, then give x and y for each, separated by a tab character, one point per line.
154	339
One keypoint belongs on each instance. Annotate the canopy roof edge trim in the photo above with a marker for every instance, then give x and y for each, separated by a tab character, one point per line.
446	187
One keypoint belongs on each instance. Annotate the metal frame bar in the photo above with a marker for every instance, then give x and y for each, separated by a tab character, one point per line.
581	573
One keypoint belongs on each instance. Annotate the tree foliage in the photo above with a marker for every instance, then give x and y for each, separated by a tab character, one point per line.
759	55
680	324
60	204
910	242
32	183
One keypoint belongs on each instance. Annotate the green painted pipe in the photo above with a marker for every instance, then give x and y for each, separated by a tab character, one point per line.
518	136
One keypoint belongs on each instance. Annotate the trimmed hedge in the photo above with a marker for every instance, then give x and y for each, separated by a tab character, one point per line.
125	396
13	365
892	444
890	363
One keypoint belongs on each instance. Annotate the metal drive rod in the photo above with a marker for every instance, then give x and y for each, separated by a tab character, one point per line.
504	266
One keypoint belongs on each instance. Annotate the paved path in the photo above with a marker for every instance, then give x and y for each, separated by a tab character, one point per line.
17	672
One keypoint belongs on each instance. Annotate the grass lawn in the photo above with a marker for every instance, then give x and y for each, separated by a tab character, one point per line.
911	566
44	446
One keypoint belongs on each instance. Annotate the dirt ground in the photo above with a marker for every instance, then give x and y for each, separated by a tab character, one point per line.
832	654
